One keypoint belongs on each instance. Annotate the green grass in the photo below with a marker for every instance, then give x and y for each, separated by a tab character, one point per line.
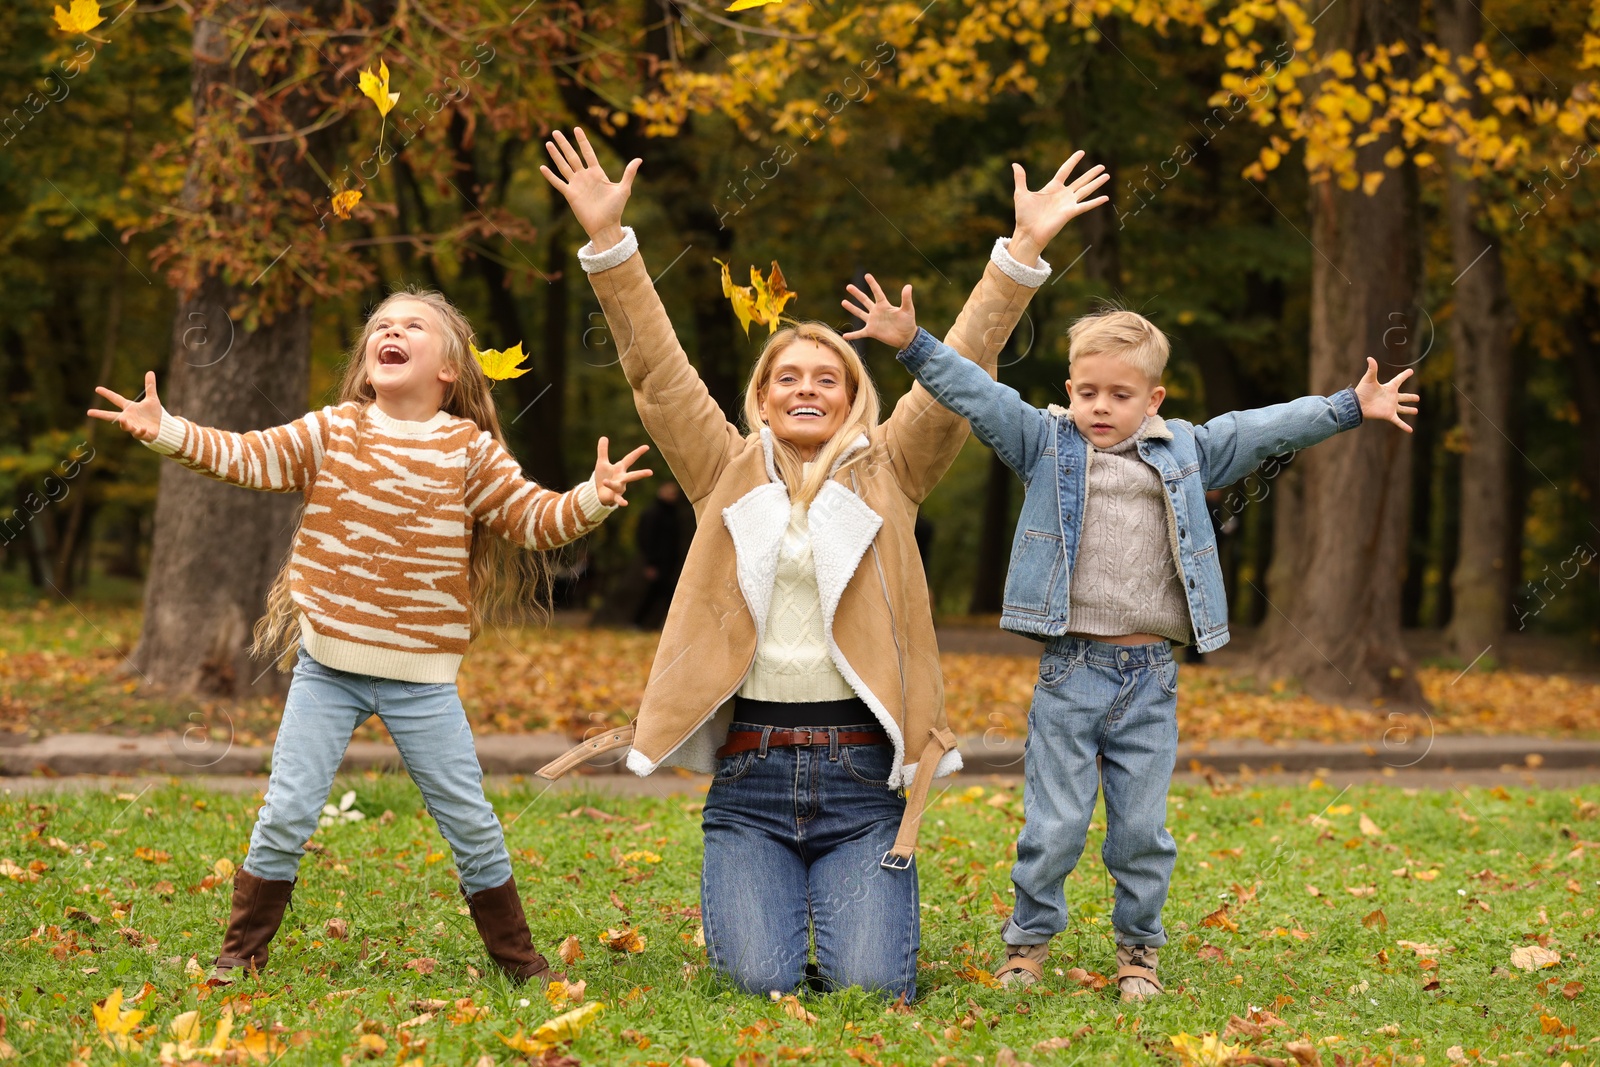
1512	871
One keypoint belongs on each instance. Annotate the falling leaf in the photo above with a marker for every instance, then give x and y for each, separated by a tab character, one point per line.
499	365
762	301
1206	1050
375	87
115	1024
83	17
1534	957
746	5
345	201
571	950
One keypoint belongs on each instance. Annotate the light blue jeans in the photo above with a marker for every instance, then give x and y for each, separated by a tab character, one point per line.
1118	703
429	727
794	840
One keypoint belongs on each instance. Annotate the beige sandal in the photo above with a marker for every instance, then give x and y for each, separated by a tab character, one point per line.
1137	965
1024	965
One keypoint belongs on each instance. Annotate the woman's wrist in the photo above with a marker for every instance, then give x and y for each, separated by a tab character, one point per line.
606	237
1024	248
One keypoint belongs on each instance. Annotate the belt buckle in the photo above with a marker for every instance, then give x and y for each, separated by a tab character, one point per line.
810	737
894	863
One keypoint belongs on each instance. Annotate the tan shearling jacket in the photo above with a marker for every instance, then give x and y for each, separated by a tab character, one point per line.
876	612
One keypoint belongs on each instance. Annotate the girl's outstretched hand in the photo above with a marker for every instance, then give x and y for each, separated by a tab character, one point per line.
142	417
881	320
1384	400
595	199
611	479
1040	215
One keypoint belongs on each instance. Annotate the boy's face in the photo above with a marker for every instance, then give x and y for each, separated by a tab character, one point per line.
405	353
1110	398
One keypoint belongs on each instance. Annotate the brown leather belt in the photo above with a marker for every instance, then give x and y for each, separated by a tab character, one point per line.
747	740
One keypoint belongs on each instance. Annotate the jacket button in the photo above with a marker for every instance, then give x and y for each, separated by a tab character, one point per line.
1173	487
1069	517
1182	532
1191	583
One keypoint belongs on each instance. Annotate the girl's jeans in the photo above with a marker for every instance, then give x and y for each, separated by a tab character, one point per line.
1119	703
429	727
793	840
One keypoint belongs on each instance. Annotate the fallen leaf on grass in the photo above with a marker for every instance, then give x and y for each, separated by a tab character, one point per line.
337	929
1376	920
1088	979
560	994
1207	1050
1422	948
1304	1053
547	1035
422	965
1361	890
1220	920
1533	957
973	973
794	1009
1050	1044
115	1025
626	939
571	950
1369	827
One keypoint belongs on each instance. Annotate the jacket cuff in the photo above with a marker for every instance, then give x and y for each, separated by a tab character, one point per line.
593	262
1346	409
915	355
1032	277
169	438
589	503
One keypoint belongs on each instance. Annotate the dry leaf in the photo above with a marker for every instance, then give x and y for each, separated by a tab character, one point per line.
1533	957
1207	1050
571	951
794	1009
422	965
1220	920
375	87
1369	827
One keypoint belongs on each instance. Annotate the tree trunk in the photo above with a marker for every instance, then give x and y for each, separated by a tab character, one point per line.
994	549
1338	597
1480	332
1583	361
217	548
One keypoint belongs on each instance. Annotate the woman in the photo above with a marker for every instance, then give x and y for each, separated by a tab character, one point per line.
798	660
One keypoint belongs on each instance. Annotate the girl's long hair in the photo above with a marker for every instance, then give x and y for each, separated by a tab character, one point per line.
500	575
862	418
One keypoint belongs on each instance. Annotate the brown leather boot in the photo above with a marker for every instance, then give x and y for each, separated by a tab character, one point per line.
258	905
501	923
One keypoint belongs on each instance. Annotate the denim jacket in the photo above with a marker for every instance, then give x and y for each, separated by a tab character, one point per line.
1048	453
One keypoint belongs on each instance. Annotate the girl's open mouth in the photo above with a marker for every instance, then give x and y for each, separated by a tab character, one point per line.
392	356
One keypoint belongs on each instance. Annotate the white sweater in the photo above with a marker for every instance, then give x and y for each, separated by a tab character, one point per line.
792	663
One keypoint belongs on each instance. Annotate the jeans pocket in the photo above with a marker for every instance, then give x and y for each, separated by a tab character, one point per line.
868	764
1055	669
425	688
1167	677
734	767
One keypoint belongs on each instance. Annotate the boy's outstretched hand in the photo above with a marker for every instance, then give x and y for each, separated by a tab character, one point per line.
595	199
611	479
141	417
1384	400
1040	215
881	320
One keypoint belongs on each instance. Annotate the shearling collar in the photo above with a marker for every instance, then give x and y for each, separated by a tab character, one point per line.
1153	425
772	464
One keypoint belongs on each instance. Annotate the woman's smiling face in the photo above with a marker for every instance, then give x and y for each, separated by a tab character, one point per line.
806	398
405	352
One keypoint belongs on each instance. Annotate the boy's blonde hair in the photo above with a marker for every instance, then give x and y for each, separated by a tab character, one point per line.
500	575
861	419
1125	335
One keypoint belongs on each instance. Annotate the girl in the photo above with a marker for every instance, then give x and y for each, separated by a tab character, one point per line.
408	488
798	659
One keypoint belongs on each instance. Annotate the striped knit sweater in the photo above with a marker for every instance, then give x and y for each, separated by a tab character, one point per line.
379	566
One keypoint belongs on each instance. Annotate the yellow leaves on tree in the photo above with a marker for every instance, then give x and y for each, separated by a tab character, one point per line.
83	16
499	365
563	1028
762	301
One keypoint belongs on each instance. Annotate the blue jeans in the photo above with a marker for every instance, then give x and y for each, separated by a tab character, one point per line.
429	727
1119	703
793	839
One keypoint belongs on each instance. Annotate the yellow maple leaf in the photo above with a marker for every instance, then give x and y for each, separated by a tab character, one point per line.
376	88
746	5
84	16
499	365
1207	1050
772	295
547	1035
344	202
741	296
115	1024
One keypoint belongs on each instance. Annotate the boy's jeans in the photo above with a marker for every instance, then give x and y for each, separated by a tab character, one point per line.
429	727
1118	702
793	841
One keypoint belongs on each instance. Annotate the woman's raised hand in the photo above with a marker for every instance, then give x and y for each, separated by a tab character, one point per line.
142	418
596	200
611	479
881	320
1041	214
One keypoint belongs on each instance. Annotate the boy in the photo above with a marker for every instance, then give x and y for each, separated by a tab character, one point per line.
1113	561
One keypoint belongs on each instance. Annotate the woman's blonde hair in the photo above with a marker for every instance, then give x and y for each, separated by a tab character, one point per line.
500	575
862	418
